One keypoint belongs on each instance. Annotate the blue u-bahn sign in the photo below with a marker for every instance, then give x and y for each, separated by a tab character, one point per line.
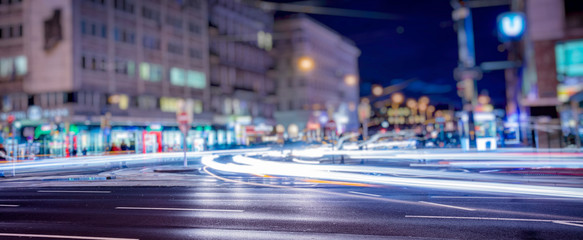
511	26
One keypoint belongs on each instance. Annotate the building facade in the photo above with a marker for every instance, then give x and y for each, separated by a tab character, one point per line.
78	71
241	85
317	77
552	72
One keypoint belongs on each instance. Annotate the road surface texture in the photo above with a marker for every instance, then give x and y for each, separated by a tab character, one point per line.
217	205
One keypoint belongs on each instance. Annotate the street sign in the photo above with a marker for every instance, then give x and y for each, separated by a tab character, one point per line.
511	26
183	122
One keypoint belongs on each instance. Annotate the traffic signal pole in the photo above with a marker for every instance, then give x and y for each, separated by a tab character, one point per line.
466	70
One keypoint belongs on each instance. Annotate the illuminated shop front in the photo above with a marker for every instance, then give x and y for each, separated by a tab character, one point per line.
569	60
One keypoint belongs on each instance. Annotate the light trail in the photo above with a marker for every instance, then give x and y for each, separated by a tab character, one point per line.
255	166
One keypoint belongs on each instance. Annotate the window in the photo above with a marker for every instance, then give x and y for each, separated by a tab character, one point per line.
104	31
150	14
20	30
123	35
195	53
116	34
20	65
1	32
13	66
175	48
177	76
145	71
175	22
83	27
195	79
124	6
83	63
94	29
6	67
93	63
155	73
131	68
10	32
193	28
151	42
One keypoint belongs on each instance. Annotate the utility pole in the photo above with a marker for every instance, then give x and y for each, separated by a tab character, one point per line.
466	72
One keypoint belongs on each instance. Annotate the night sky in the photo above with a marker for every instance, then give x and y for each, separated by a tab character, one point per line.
420	44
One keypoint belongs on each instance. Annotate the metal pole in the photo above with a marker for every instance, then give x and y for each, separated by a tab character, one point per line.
184	147
15	154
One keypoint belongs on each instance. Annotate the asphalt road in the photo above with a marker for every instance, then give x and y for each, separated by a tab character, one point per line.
229	206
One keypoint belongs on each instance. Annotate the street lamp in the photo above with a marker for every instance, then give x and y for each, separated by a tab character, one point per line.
377	90
397	99
350	80
306	64
412	104
424	100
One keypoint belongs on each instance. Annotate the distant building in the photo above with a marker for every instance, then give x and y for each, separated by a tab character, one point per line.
242	89
552	73
317	77
75	72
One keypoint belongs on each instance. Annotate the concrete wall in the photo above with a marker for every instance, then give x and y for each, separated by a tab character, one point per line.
50	70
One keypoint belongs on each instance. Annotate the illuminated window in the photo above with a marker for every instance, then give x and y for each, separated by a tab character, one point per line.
196	79
197	106
6	66
155	73
131	68
20	65
145	71
177	77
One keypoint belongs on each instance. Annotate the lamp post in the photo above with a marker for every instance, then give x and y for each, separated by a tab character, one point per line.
350	80
306	64
377	90
397	99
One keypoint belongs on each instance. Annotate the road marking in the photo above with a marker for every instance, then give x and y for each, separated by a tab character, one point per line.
568	223
384	199
366	194
448	206
8	205
500	219
180	209
59	191
61	236
533	198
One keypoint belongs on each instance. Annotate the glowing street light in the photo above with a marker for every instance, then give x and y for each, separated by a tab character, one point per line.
306	64
424	100
484	99
411	103
397	99
350	80
377	90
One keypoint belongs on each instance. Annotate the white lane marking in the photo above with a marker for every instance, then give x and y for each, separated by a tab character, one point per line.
9	205
366	194
568	223
59	191
495	219
62	236
528	198
180	209
448	206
